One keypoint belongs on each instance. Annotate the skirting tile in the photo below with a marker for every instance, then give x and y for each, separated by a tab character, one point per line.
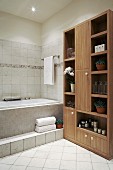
50	137
59	134
29	143
40	140
17	147
4	150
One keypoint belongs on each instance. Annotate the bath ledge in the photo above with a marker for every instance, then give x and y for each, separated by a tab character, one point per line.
24	136
16	144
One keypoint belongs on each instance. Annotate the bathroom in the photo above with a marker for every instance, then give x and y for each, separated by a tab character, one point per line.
26	38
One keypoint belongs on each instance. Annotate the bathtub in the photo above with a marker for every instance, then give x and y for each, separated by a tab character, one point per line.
26	103
18	117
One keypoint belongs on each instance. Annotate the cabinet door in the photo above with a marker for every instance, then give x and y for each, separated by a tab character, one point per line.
83	46
99	145
69	123
82	90
102	146
83	137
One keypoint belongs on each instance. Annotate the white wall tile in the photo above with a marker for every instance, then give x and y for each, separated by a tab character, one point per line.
7	50
1	49
6	88
7	43
1	42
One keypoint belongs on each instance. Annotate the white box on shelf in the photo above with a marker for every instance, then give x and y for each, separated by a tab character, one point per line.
96	49
102	47
99	48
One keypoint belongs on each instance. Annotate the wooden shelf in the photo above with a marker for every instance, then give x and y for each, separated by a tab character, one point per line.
69	93
99	53
90	130
69	59
99	72
99	34
99	95
69	108
93	113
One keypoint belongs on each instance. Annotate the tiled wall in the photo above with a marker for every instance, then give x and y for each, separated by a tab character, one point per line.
53	91
19	69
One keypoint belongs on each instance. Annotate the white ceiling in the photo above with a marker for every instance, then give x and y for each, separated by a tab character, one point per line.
44	8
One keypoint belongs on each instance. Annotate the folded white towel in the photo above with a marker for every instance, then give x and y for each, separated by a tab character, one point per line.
45	128
46	121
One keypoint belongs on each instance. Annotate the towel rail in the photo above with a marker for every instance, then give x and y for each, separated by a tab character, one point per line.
53	57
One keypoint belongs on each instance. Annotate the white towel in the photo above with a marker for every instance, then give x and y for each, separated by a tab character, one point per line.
46	121
49	70
45	128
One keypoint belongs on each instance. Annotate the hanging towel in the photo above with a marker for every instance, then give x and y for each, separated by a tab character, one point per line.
46	121
49	70
45	128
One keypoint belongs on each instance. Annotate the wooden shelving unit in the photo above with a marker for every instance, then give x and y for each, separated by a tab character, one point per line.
99	72
90	84
93	113
99	53
99	95
69	93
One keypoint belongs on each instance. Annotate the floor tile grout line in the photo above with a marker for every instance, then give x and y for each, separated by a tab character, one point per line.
61	157
91	162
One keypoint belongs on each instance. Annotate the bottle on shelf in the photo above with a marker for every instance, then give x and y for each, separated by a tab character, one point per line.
95	87
105	87
100	87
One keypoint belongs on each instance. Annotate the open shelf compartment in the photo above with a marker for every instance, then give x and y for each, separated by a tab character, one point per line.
99	24
69	50
90	119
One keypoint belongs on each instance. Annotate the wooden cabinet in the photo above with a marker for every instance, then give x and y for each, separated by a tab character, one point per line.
83	46
82	90
92	141
69	123
90	44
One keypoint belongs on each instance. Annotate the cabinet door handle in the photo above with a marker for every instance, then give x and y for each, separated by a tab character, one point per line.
85	136
91	138
72	113
86	73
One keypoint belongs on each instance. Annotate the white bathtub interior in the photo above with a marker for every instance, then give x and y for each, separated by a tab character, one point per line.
26	103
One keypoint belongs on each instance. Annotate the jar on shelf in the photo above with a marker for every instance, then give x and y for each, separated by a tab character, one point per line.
105	87
100	87
70	52
95	87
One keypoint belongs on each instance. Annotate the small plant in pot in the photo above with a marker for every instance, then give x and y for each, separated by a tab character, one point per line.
100	106
59	123
101	64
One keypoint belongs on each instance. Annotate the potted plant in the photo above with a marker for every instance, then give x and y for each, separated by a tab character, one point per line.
59	123
101	64
69	73
100	106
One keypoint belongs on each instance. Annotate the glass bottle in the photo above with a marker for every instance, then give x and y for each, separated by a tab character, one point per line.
95	87
105	87
100	87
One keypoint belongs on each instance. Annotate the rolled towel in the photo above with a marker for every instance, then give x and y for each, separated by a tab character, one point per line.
46	121
45	128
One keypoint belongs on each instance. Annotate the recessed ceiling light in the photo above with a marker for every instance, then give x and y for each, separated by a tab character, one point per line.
33	9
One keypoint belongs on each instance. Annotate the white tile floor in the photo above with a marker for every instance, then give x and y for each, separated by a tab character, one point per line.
58	155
